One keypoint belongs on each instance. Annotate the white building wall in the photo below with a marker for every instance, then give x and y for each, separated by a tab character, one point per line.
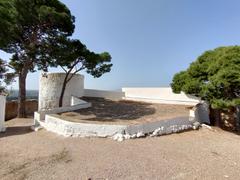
159	95
2	112
50	87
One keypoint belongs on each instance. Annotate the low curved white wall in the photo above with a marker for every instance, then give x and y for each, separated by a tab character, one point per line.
55	124
2	112
50	87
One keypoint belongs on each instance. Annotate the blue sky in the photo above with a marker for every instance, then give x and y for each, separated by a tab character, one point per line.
150	40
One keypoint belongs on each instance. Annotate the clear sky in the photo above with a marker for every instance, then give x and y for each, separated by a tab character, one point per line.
150	40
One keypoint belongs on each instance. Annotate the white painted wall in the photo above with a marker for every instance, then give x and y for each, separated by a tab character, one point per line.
75	105
2	112
58	125
50	90
151	95
114	95
159	95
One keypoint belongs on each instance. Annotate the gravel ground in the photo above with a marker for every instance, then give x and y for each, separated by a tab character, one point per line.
202	154
125	112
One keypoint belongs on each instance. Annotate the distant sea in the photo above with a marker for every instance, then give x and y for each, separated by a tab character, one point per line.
31	94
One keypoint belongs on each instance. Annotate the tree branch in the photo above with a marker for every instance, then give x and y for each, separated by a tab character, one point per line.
63	69
8	65
75	73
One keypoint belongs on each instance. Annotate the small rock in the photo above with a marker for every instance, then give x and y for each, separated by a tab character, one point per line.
196	125
120	139
140	134
206	126
34	128
117	136
156	132
180	129
127	136
174	130
133	136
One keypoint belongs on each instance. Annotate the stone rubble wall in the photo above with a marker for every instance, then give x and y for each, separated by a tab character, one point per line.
12	106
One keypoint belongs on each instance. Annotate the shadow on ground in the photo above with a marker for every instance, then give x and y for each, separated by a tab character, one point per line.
114	110
16	130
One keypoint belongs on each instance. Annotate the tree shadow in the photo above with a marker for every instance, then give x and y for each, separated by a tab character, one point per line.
108	110
16	130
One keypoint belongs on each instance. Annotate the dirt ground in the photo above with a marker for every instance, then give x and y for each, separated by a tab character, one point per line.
202	154
125	112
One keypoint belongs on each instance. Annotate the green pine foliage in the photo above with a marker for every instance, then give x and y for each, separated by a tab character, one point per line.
73	56
214	76
5	77
28	28
36	33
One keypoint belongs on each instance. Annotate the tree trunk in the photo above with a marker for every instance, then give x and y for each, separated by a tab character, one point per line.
238	118
22	95
215	119
63	90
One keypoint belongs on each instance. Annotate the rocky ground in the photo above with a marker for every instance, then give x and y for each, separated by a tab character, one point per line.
203	154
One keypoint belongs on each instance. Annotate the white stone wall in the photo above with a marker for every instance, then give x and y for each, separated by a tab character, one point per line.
114	95
2	112
159	95
56	124
50	87
40	115
59	125
151	95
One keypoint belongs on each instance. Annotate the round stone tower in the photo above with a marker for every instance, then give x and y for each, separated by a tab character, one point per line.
50	87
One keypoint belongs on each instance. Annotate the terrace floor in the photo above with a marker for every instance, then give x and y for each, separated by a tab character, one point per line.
105	111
